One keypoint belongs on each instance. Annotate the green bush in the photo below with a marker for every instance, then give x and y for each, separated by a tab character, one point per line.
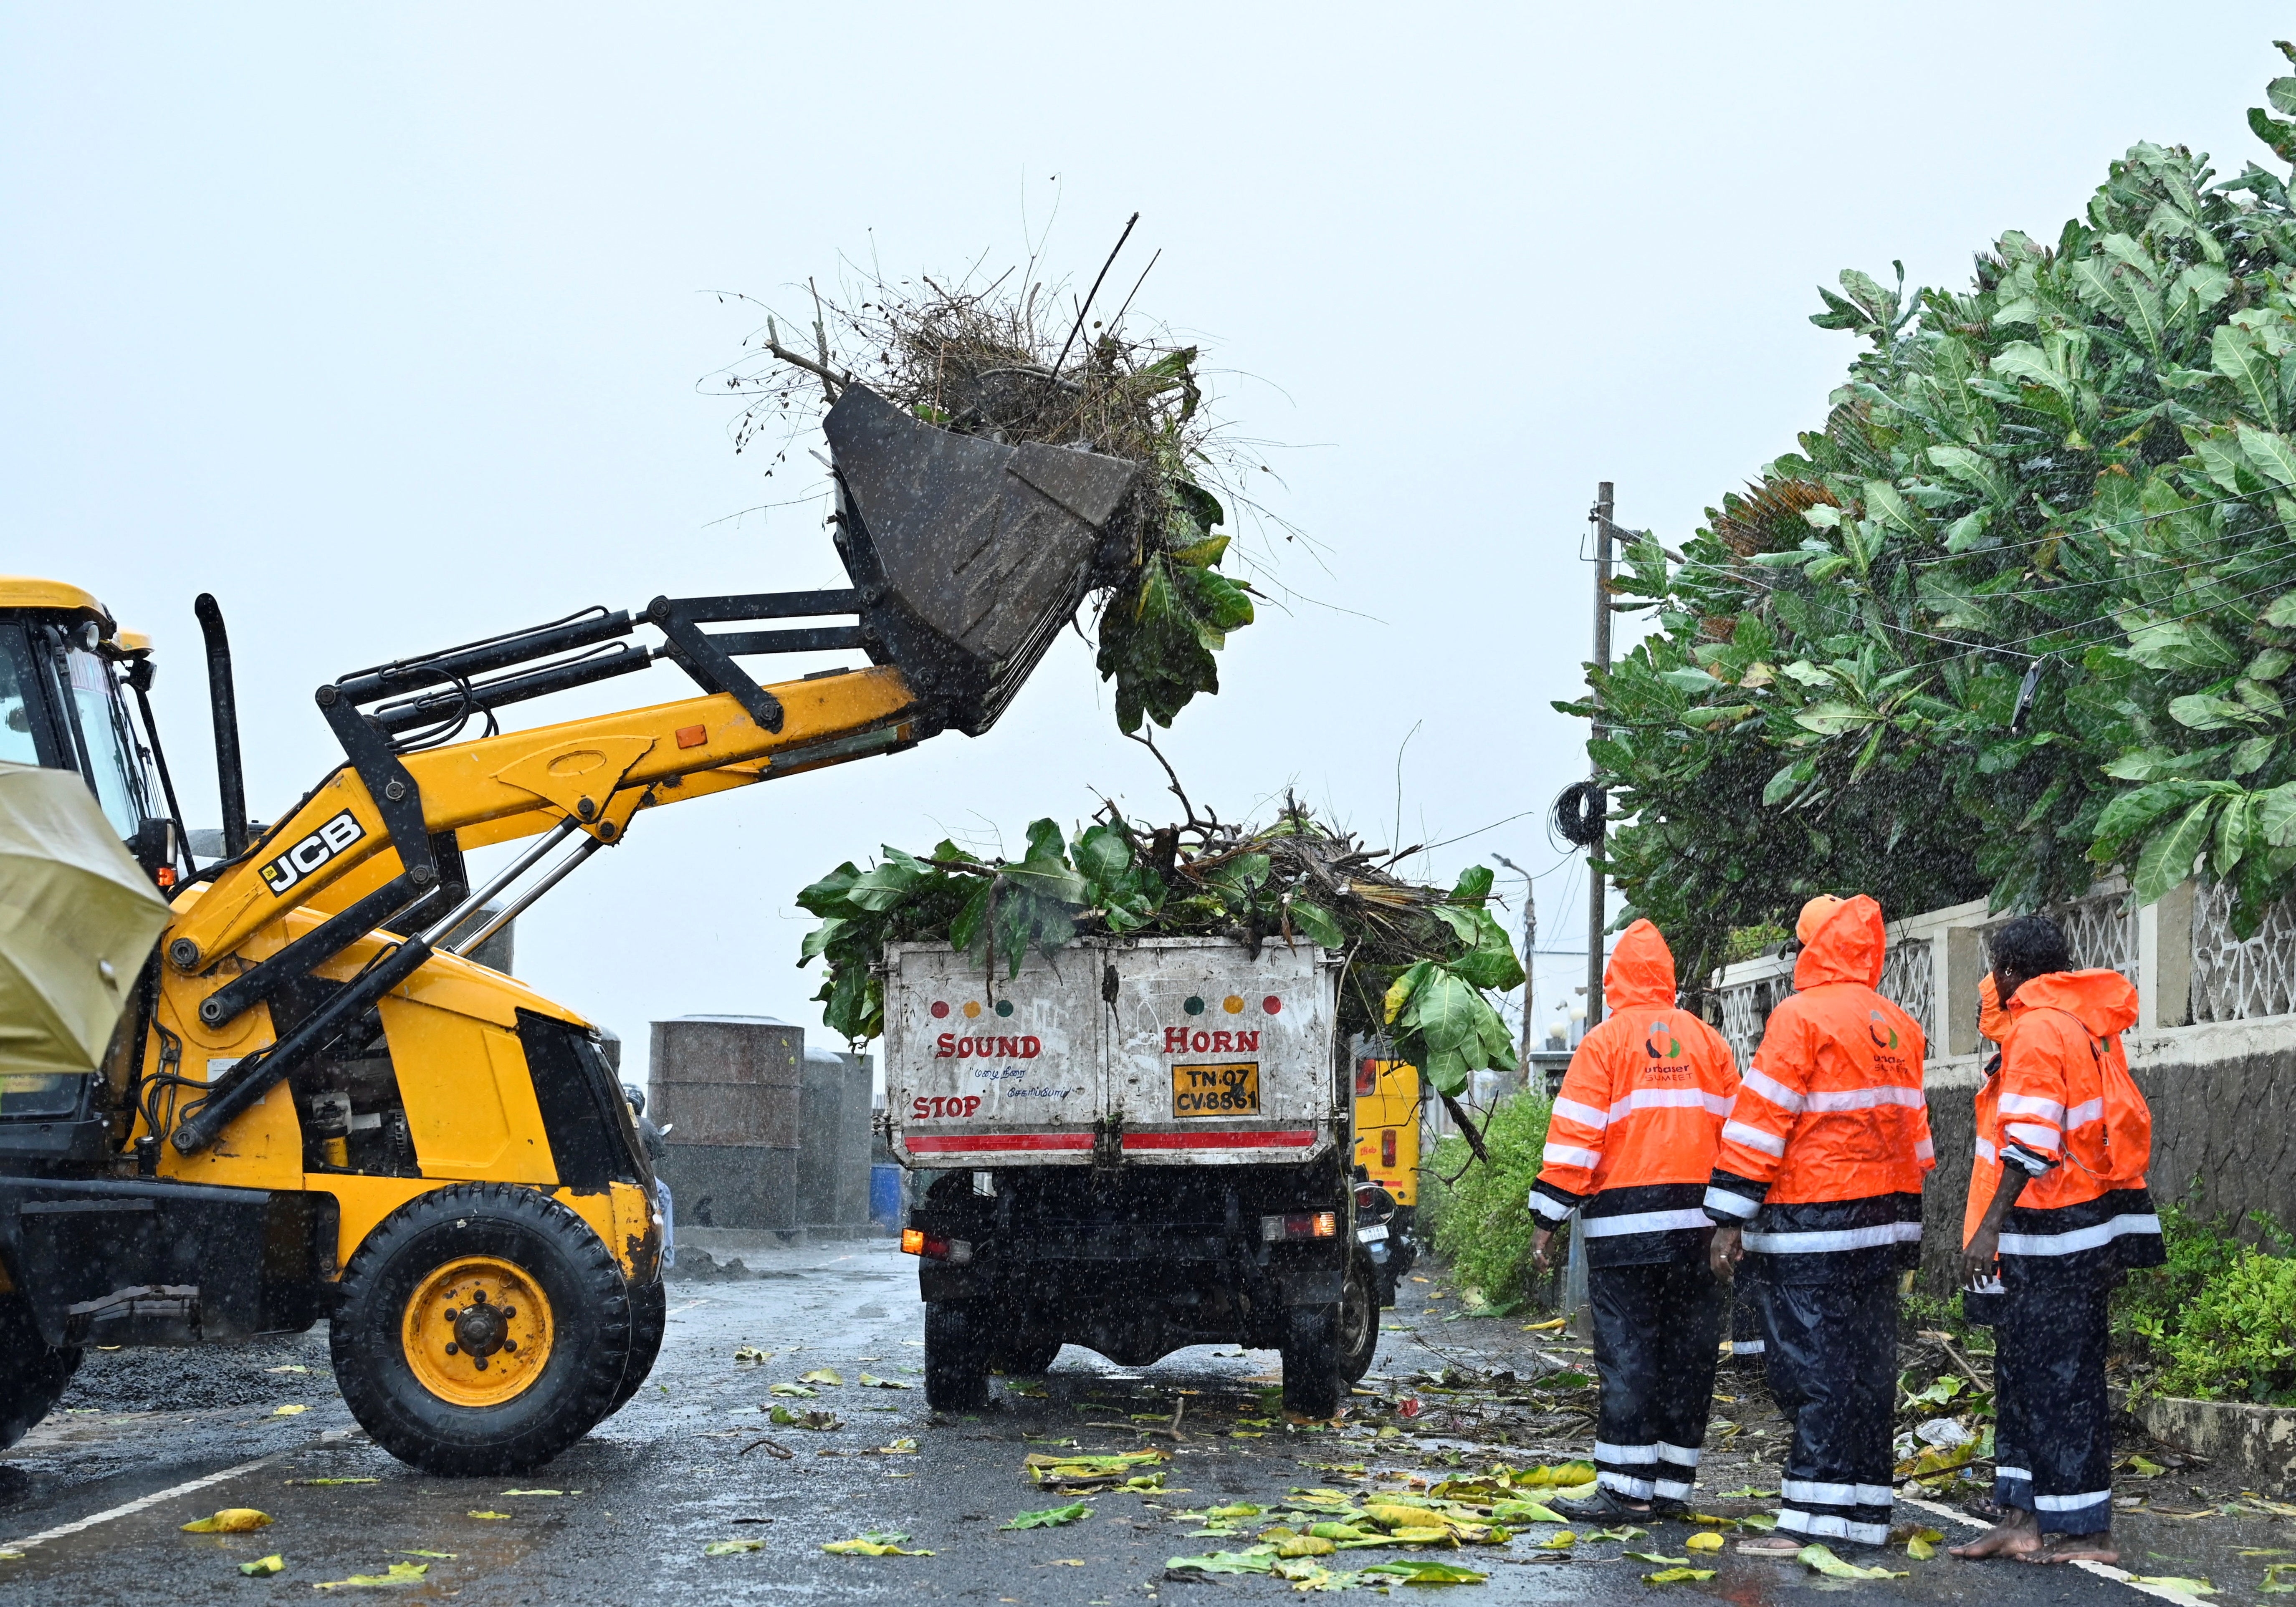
1480	1223
2218	1321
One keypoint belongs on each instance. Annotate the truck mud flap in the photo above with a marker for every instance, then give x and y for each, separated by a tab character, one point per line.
140	1263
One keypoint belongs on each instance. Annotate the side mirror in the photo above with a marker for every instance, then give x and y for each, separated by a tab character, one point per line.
154	847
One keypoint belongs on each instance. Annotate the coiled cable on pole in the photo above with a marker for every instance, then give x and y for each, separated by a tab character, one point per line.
1579	814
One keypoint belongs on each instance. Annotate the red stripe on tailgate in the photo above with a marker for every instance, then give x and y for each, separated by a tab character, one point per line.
975	1143
1288	1139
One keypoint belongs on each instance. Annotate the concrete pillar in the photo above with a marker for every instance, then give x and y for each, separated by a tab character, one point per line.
2164	959
833	1139
1957	968
728	1089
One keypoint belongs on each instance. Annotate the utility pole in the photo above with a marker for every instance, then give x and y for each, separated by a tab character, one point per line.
1530	960
1599	519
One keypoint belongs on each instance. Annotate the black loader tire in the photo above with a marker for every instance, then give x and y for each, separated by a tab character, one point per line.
956	1357
557	1254
649	1318
1313	1386
1359	1304
33	1372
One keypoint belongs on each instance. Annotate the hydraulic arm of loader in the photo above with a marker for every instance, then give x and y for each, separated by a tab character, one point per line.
966	557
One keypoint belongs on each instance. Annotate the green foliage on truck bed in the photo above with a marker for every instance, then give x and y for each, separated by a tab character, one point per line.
1422	962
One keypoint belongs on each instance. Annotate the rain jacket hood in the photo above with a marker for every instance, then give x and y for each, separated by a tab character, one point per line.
2102	1001
1641	972
1847	948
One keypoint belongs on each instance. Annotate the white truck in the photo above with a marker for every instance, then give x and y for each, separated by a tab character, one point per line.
1138	1145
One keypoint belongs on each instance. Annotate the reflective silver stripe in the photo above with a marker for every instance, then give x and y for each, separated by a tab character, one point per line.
1923	1150
2066	1504
1645	1221
2084	1113
1749	1347
1673	1489
1663	1098
2013	1473
1753	1138
1843	1238
1866	1099
1729	1204
1564	1154
1828	1527
2044	1139
1547	1206
1986	1151
1836	1494
1770	1088
1686	1455
1627	1484
2020	1105
1587	1114
1605	1452
2079	1238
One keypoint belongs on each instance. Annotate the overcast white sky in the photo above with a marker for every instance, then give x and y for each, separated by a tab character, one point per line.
384	326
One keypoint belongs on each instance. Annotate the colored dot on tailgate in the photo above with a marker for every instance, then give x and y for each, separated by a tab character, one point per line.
940	1010
1003	1006
1231	1004
972	1009
1272	1004
1195	1006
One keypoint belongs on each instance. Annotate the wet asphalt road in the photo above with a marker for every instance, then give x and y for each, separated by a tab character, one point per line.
625	1517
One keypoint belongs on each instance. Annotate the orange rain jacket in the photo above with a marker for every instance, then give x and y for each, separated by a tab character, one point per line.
1631	1140
1827	1144
2063	1109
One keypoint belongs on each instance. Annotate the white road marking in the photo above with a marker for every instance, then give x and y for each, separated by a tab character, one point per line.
689	1305
2102	1570
60	1531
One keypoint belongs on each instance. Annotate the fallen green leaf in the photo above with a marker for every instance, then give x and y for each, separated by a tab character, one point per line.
886	1544
1652	1556
1224	1562
1415	1571
2173	1582
1921	1550
727	1548
262	1568
487	1516
797	1391
750	1353
1677	1575
401	1573
820	1375
1823	1559
1050	1517
870	1381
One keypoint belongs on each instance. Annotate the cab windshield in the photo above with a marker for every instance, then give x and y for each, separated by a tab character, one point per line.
18	746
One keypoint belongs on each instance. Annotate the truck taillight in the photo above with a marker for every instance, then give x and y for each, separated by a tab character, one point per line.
1299	1225
1367	1077
1387	1148
933	1247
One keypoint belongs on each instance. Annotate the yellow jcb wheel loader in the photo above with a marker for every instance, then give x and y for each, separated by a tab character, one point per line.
318	1104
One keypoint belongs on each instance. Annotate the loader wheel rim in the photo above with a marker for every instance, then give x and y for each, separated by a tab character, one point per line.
477	1332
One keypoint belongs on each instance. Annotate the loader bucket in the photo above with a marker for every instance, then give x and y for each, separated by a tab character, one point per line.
970	554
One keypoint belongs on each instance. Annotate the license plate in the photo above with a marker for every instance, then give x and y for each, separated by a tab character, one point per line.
1216	1090
1372	1235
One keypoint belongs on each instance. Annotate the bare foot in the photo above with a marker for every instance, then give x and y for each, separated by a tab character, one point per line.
2079	1548
1771	1545
2017	1535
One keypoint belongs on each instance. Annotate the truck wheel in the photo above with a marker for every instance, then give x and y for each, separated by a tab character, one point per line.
1312	1384
956	1358
1359	1304
33	1372
649	1317
483	1329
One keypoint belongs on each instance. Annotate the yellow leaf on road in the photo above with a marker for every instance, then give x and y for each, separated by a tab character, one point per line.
1549	1326
727	1548
401	1573
262	1568
820	1375
2172	1582
1921	1550
288	1411
231	1521
1677	1575
1706	1540
489	1517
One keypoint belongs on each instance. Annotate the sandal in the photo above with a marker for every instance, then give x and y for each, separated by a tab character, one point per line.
1603	1506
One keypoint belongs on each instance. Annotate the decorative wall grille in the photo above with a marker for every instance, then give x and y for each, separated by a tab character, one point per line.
2234	978
2099	932
1908	983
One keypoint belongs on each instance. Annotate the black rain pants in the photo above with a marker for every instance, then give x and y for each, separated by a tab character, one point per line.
1657	1329
1832	1334
2053	1443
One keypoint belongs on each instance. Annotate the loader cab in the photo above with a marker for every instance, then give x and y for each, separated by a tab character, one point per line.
65	672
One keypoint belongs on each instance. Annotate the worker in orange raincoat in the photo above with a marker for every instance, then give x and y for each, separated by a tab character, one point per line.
2057	1211
1821	1166
1630	1143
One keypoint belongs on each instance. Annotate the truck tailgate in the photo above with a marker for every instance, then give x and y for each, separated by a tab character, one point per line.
1162	1051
